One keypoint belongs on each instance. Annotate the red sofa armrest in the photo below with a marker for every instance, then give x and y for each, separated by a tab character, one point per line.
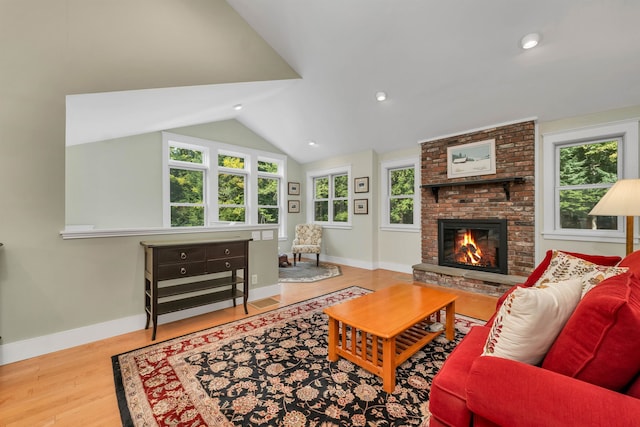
511	393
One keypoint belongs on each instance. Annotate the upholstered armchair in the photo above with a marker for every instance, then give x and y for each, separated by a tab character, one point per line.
307	241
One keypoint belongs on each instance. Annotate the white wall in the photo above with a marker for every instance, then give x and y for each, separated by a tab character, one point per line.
365	245
399	250
53	48
564	125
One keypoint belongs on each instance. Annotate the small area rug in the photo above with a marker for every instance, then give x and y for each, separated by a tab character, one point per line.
307	272
271	369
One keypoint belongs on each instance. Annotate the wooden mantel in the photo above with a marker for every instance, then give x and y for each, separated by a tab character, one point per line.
506	184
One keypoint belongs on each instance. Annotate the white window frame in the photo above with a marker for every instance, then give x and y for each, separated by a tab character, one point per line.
628	158
311	194
250	171
385	194
278	177
203	167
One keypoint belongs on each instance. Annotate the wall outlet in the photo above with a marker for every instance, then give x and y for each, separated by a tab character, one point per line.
254	279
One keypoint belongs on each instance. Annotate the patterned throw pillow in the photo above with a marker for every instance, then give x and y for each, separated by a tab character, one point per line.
564	266
530	319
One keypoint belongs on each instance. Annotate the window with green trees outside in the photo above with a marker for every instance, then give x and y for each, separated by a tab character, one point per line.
586	172
209	183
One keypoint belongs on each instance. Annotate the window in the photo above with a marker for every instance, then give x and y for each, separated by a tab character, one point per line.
400	191
209	183
187	172
269	184
232	179
586	172
329	199
579	167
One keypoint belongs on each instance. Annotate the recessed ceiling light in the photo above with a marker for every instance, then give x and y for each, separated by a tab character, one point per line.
237	107
381	96
313	143
530	41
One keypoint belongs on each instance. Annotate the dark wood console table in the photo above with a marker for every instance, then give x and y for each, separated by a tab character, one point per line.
165	261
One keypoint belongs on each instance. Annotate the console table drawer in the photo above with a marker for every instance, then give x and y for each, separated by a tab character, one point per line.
226	250
225	264
187	269
185	254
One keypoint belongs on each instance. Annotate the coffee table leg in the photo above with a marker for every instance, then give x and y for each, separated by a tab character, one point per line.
450	328
333	340
389	364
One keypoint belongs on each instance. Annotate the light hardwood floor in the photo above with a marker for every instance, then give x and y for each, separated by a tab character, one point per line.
75	387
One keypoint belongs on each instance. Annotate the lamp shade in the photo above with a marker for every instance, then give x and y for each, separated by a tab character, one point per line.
623	198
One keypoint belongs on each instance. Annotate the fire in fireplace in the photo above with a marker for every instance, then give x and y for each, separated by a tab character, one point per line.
479	244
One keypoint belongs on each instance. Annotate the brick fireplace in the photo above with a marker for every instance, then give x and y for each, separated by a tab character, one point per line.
507	194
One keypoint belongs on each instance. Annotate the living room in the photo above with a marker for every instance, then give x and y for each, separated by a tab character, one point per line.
57	291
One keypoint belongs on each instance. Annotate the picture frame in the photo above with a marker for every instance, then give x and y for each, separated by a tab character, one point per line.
294	206
361	185
473	159
293	188
361	206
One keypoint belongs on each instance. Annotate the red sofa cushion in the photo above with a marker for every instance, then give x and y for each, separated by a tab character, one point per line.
631	261
448	397
598	344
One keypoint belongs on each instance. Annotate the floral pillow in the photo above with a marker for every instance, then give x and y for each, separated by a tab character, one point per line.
530	319
564	266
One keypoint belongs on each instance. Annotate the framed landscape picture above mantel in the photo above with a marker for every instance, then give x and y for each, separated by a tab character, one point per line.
473	159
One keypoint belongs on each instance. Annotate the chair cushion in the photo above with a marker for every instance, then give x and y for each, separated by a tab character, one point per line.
305	249
530	319
598	344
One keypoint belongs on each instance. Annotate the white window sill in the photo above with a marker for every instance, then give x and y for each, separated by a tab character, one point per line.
581	237
405	229
85	232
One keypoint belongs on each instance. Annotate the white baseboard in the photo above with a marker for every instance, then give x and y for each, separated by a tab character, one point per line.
401	268
347	261
32	347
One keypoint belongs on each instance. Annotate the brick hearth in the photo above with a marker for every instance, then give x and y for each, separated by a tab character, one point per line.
515	147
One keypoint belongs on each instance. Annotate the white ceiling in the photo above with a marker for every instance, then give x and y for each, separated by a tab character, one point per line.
447	67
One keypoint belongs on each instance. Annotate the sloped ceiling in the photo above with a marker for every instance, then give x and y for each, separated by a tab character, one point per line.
447	67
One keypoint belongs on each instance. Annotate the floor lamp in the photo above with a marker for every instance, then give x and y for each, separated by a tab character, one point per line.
622	199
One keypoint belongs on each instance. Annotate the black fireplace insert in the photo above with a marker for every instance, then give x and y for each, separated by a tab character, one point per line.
478	244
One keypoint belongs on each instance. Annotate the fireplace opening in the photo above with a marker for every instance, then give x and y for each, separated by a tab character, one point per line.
479	244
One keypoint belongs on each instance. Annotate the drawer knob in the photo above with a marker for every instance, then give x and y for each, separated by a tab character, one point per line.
227	264
183	255
183	270
227	251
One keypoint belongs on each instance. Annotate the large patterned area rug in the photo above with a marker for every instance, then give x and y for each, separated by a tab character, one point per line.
305	271
271	369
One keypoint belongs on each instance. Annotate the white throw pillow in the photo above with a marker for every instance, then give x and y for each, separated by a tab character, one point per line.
564	267
530	319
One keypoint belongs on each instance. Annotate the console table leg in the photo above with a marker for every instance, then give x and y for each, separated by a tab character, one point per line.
155	327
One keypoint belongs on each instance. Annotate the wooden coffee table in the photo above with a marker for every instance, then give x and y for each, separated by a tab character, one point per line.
381	330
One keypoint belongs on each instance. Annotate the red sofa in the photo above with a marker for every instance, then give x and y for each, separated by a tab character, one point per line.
475	390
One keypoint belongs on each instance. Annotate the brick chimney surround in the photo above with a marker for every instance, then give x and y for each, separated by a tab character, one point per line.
485	197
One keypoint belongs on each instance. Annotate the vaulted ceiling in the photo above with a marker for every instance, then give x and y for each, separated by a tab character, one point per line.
446	66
